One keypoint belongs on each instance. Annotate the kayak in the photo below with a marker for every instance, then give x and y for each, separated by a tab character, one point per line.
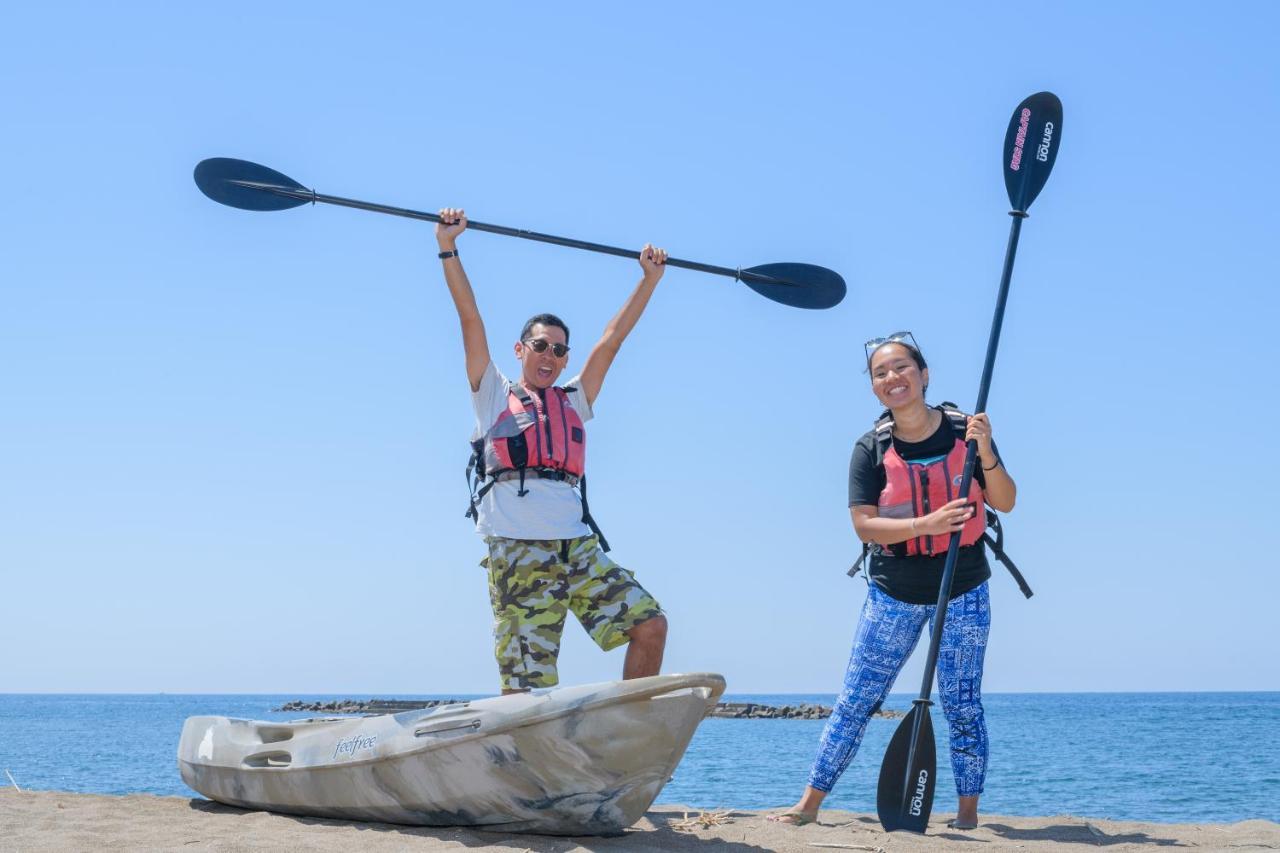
585	760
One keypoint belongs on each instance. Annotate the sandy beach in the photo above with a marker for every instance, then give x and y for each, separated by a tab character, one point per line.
49	820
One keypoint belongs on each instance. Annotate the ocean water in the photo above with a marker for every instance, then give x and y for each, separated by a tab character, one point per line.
1171	757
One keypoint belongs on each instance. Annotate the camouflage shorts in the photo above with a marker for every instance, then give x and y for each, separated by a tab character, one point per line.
532	587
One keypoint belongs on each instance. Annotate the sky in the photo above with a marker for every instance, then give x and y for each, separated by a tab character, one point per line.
232	443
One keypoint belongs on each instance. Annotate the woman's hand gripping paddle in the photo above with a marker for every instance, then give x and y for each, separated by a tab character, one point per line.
248	186
904	797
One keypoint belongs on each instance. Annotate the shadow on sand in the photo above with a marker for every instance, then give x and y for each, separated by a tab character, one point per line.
1078	834
654	833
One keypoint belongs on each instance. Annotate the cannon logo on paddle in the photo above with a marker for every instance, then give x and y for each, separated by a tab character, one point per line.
917	801
355	743
1042	152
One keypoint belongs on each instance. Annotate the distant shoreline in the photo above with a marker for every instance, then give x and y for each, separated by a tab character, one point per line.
724	710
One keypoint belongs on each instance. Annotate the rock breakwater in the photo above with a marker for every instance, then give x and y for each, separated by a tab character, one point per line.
724	710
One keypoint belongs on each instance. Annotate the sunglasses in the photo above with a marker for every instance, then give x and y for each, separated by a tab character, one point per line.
903	337
541	344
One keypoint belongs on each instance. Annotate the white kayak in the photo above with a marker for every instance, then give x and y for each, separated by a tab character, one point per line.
583	760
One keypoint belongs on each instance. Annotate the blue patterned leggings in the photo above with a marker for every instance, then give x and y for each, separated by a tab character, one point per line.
887	633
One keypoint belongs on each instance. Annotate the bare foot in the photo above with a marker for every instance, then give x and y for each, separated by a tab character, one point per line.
966	814
795	817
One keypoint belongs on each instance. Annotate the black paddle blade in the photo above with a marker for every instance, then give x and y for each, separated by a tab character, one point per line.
216	178
797	285
1031	146
904	797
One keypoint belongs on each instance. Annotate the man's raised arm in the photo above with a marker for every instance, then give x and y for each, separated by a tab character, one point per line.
653	262
474	342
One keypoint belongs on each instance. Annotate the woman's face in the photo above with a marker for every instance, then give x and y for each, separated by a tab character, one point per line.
895	377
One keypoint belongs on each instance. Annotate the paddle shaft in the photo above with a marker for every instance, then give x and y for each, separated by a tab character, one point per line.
970	458
312	196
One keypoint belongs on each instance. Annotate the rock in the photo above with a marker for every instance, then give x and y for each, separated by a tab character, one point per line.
725	710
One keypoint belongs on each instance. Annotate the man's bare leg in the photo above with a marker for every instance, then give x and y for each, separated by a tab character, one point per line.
644	652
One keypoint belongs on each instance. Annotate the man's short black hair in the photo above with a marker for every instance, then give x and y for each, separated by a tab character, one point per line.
546	320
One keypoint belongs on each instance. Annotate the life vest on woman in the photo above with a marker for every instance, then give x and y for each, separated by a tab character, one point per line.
536	436
915	489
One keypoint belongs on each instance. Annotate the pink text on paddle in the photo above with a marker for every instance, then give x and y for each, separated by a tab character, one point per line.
1015	162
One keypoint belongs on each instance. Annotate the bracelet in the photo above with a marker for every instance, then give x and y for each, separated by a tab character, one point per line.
913	525
993	467
451	254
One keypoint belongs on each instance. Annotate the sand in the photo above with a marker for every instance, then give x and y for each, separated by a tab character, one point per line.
52	820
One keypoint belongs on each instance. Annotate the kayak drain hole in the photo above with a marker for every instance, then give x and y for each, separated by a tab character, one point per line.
269	734
277	758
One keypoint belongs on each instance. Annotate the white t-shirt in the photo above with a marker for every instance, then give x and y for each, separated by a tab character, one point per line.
551	509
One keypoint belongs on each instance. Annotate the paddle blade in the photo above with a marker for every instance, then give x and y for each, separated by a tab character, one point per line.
904	797
216	175
1031	146
797	285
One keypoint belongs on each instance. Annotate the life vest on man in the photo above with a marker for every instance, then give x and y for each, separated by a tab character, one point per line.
536	436
915	489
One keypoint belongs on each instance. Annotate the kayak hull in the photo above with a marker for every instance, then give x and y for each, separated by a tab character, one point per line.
586	760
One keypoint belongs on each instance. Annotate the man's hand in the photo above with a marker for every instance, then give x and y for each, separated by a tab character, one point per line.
653	262
453	222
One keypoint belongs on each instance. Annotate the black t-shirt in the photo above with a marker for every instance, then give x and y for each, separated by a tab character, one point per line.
915	580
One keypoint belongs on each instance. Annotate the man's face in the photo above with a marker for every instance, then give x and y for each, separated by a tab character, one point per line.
542	369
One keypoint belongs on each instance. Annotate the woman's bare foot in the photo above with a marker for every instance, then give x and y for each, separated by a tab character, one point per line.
794	817
803	812
967	814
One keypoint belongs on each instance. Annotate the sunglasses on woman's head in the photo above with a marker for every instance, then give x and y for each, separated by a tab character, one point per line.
541	344
903	337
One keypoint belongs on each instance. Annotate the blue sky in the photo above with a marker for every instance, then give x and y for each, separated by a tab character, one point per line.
231	444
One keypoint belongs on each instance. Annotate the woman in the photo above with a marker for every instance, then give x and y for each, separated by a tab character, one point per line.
902	483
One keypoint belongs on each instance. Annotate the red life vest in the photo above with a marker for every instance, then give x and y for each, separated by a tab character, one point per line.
541	436
913	490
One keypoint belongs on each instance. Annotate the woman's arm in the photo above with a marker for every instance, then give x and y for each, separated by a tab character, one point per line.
870	527
1000	492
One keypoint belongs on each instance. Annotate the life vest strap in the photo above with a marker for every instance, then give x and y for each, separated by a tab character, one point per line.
543	473
860	562
586	515
996	544
539	473
883	427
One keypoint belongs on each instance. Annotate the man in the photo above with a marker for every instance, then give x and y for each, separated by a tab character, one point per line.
545	555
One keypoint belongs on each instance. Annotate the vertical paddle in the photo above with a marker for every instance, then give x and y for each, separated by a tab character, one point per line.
904	797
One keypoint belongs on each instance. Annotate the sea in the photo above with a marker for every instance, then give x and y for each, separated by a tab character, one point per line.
1163	757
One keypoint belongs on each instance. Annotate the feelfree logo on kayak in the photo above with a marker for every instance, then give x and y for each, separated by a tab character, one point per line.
353	744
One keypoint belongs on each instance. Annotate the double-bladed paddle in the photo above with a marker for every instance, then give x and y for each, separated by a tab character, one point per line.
249	186
904	797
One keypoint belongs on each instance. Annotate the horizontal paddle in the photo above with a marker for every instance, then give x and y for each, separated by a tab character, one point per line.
249	186
904	797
